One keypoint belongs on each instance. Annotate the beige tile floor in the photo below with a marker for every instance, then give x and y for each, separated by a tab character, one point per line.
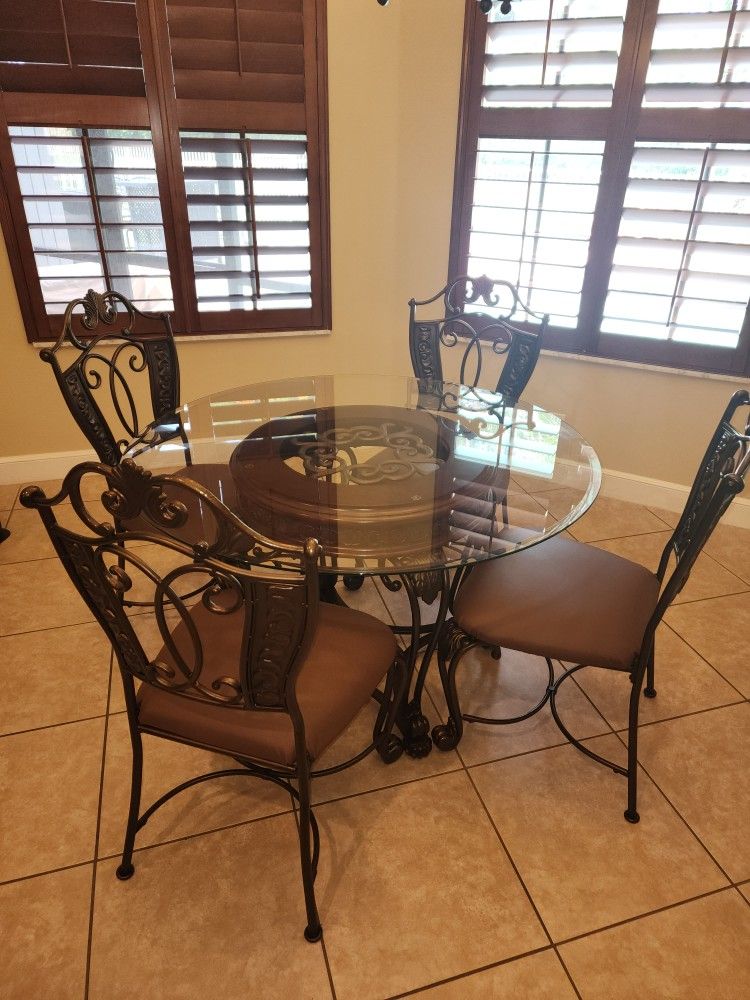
502	869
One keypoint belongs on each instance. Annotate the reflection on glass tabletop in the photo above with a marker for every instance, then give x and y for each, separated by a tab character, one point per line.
389	473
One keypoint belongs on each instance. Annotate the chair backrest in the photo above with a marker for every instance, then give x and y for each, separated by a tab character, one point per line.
721	477
110	374
193	587
464	327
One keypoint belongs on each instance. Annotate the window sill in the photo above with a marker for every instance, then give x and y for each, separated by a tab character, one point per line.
641	366
191	338
212	338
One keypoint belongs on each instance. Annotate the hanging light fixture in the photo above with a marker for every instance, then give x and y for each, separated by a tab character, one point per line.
484	5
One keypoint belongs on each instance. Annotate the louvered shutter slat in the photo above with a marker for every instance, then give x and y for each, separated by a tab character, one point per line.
682	275
77	47
554	55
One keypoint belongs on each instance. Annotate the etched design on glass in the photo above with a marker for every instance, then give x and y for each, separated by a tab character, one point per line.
332	455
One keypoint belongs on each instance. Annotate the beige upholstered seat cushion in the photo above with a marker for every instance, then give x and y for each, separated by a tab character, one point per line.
350	654
561	599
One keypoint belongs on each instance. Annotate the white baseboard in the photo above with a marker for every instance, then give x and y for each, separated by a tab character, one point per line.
668	496
29	469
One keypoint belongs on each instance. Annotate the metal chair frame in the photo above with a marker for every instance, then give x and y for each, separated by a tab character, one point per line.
94	367
721	477
276	585
473	330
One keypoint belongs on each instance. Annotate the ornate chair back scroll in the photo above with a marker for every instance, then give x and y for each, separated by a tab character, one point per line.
469	330
590	607
111	359
235	657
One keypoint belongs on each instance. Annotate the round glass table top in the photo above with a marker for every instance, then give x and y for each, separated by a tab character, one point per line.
390	474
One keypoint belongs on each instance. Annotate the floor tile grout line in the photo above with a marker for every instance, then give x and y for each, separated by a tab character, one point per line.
384	788
328	966
677	812
55	725
43	874
651	722
471	972
686	715
615	538
520	879
200	833
648	913
508	856
713	597
90	937
617	735
705	660
50	628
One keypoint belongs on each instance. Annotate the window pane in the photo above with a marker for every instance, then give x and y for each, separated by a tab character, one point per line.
553	54
682	263
247	200
531	221
700	55
62	211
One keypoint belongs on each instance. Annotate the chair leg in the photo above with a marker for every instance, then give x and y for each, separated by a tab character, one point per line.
649	690
313	931
631	813
126	867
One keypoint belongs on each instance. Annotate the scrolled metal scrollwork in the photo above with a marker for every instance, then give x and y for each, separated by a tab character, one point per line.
276	611
465	325
132	354
332	455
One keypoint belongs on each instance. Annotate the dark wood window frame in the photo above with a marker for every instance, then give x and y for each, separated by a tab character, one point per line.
160	109
620	127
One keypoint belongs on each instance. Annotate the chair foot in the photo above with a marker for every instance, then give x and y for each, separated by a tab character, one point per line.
496	652
632	816
649	692
124	872
391	749
353	582
313	934
445	737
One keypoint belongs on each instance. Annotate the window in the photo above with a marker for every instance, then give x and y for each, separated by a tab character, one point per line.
604	166
173	151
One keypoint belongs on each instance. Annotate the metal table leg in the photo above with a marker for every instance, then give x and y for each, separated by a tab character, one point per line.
429	586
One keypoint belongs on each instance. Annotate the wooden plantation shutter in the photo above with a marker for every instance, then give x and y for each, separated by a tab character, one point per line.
604	165
77	47
241	94
213	118
238	63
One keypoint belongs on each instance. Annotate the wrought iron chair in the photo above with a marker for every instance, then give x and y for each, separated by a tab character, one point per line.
148	350
468	329
116	345
252	666
575	602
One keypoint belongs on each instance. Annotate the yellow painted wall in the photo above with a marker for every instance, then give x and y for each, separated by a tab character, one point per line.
393	82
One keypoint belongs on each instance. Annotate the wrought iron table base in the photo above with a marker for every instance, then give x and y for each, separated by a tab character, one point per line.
411	721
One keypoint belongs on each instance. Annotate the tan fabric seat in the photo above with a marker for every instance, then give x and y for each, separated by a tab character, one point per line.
349	657
561	599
